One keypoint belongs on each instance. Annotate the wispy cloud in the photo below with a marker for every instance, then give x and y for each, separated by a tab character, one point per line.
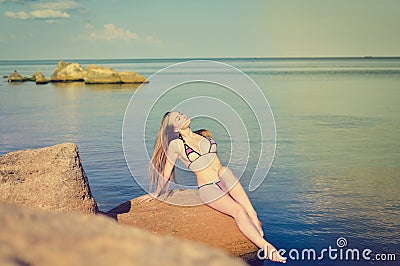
17	15
42	10
16	1
37	14
48	13
111	32
62	5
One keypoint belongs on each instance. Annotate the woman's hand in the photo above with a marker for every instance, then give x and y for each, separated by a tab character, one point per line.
146	198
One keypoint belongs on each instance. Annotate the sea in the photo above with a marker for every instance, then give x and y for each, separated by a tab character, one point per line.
332	188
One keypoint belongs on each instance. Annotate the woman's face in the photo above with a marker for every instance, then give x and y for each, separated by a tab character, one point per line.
179	120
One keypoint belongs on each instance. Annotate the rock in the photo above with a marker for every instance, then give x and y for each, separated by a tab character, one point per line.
32	78
93	74
50	178
40	78
100	74
68	72
16	77
132	77
199	223
33	237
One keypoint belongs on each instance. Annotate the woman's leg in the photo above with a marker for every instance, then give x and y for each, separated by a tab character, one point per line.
227	205
238	193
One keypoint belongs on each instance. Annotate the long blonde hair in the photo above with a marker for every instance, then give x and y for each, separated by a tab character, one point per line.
165	135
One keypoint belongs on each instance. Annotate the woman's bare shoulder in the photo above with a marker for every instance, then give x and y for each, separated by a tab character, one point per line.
175	145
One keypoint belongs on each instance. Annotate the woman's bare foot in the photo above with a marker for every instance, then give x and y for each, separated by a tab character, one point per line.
272	254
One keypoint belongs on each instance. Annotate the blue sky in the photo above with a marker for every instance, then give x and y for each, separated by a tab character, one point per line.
92	29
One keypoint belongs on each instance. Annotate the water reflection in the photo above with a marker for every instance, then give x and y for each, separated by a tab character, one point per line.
68	85
81	85
132	86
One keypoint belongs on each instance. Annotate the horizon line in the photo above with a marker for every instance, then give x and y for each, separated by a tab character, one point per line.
205	58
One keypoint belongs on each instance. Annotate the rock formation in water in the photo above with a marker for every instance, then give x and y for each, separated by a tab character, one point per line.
16	77
196	222
105	75
68	72
73	72
131	77
101	74
40	78
50	178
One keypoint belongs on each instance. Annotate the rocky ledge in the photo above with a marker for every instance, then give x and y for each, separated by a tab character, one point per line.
195	221
50	178
32	237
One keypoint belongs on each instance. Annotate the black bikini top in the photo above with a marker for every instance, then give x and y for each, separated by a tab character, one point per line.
193	155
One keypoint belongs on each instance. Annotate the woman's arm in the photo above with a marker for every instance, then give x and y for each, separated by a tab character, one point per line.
166	175
172	156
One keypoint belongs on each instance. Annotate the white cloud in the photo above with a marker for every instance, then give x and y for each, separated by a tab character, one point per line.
37	14
17	15
43	10
61	5
14	1
48	13
111	32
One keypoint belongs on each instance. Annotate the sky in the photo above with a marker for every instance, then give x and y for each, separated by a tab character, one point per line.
89	29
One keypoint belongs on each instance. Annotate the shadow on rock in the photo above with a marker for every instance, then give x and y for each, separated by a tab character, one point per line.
119	210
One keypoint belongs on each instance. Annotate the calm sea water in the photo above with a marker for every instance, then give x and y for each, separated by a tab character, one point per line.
336	171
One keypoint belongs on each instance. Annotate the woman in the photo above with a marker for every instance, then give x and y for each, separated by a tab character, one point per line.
218	186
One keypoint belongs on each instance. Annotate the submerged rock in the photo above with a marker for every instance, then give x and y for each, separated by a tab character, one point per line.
100	74
68	72
33	237
50	178
199	223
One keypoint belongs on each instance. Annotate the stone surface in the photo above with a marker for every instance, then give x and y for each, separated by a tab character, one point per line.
199	223
40	78
33	237
100	74
50	178
68	72
131	77
16	77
